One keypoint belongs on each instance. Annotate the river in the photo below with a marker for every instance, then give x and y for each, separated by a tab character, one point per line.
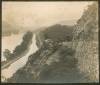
10	42
13	68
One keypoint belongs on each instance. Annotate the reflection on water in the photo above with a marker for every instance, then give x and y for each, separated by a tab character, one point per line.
7	73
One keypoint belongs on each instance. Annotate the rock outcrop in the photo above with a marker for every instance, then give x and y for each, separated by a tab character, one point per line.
86	36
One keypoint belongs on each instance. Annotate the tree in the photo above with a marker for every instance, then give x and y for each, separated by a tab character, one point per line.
7	54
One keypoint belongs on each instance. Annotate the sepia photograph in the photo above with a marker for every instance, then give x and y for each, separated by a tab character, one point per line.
50	42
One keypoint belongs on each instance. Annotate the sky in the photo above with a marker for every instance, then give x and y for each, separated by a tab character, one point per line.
38	14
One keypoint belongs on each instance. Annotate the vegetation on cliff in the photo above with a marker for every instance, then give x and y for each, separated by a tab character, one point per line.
59	33
24	45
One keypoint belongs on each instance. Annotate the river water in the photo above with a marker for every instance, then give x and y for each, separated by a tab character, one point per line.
10	42
13	68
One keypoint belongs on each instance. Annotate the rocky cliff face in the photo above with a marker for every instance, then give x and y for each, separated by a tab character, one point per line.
57	62
86	36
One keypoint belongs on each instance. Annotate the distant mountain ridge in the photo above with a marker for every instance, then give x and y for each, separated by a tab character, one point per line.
68	22
8	29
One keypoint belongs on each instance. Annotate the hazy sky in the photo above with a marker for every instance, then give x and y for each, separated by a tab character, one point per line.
38	14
